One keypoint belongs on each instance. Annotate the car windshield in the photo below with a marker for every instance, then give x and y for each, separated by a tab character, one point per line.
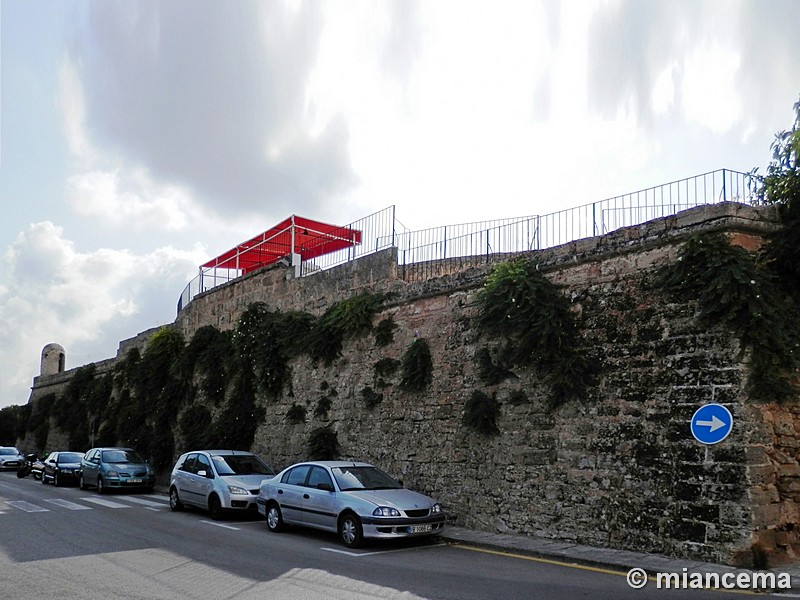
121	456
241	464
363	478
69	457
9	451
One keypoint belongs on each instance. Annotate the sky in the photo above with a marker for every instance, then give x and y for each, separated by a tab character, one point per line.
140	138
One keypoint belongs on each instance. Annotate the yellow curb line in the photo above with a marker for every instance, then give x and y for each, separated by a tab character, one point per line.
559	563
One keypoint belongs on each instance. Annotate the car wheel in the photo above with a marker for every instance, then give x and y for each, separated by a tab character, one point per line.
81	483
350	532
44	479
274	518
55	480
174	501
101	489
214	507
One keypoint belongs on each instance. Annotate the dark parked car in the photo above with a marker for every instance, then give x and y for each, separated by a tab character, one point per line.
354	500
62	467
106	468
218	481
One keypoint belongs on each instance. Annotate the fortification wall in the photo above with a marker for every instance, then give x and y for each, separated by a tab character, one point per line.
619	469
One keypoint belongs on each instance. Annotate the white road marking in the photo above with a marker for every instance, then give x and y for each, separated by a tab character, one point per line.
67	504
158	497
220	525
107	503
143	502
26	506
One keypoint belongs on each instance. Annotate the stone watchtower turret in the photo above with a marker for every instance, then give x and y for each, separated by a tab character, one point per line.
52	360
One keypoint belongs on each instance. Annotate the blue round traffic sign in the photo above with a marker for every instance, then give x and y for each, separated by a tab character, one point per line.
711	423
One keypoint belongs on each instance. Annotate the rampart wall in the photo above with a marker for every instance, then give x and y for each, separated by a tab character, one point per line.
619	469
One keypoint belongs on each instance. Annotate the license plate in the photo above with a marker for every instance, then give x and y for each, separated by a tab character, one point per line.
420	528
134	480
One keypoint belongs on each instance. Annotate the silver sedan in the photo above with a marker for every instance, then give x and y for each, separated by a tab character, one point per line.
355	500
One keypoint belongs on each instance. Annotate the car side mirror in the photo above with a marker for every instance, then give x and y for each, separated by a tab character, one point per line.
327	487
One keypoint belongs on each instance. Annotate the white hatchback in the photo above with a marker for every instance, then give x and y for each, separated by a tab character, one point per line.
217	481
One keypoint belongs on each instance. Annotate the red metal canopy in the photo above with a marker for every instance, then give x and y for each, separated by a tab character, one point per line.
294	235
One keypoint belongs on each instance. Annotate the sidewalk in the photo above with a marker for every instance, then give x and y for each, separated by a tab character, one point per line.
606	558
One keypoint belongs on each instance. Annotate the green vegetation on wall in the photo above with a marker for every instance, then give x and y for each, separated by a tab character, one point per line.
384	332
733	289
323	444
296	414
177	395
481	412
417	366
533	317
349	318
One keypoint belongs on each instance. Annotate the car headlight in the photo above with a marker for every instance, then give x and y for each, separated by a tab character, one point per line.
112	474
436	509
237	490
385	511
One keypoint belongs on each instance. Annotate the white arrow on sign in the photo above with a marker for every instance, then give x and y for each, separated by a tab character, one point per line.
714	423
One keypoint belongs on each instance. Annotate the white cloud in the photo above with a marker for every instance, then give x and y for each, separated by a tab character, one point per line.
130	198
53	293
710	93
72	103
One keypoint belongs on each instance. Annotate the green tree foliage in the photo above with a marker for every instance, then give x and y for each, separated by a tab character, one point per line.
13	423
781	186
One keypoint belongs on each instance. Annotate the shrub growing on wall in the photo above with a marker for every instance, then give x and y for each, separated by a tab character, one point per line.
296	414
348	318
322	408
731	289
371	397
323	444
208	354
386	367
384	332
481	412
520	304
417	366
195	425
489	372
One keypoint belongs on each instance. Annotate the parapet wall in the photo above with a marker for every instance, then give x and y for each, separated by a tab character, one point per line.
619	469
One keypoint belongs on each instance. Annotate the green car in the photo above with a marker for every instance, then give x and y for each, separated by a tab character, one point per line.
107	468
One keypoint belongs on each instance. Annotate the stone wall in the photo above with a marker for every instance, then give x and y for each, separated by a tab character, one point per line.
619	469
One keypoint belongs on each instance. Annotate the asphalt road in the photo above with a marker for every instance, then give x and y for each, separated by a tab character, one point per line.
63	543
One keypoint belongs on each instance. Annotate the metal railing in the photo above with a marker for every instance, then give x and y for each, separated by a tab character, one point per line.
437	251
377	233
446	255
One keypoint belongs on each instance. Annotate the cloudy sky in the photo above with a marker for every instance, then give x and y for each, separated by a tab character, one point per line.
140	138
